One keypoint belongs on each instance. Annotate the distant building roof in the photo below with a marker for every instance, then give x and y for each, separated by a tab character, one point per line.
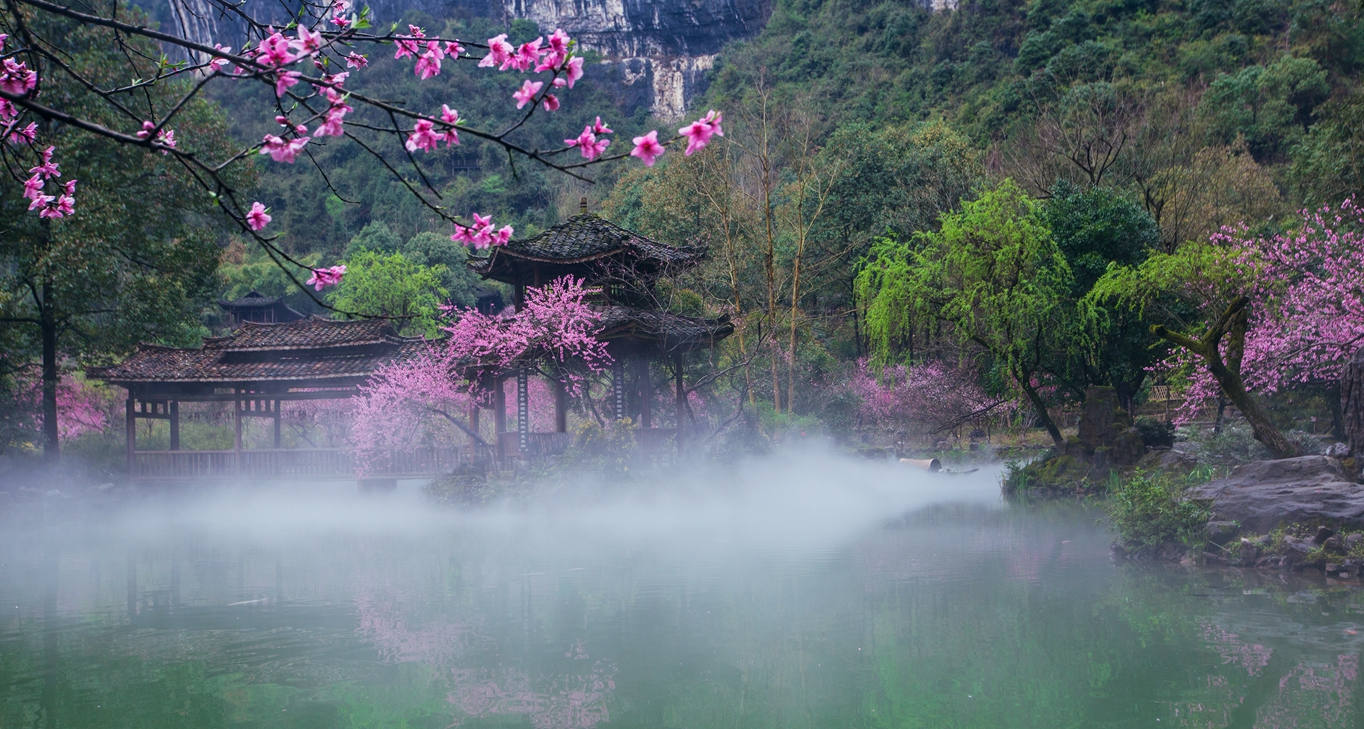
586	246
257	307
304	353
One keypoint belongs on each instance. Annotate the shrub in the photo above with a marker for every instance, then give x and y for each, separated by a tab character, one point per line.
608	450
1233	446
1156	433
1150	509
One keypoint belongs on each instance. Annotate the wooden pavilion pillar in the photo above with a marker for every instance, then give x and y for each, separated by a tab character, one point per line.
618	387
279	415
560	407
646	394
499	416
131	430
173	412
237	424
680	403
473	425
523	411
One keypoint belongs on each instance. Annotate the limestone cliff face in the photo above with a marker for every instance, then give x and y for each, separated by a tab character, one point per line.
664	45
661	48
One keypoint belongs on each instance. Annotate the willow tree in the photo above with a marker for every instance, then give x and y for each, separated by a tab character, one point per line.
993	275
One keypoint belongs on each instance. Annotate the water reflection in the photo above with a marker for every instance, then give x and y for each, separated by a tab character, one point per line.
888	609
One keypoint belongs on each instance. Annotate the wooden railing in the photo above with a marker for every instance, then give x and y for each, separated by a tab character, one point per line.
538	445
654	443
293	462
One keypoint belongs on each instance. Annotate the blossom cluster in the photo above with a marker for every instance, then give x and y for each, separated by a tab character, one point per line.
323	277
17	79
481	235
1306	310
923	398
49	206
555	324
164	137
588	143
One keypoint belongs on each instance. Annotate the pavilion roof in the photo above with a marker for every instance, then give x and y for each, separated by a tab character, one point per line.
311	349
310	333
663	330
578	242
252	300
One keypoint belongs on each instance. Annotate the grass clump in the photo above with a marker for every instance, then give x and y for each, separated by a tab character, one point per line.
1152	509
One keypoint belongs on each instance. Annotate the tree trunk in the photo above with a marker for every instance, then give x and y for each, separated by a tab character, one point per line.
1041	409
51	444
1352	403
1208	348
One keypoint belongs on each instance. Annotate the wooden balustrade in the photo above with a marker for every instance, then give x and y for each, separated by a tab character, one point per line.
294	463
538	445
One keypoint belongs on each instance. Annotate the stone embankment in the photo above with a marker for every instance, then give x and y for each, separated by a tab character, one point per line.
1303	513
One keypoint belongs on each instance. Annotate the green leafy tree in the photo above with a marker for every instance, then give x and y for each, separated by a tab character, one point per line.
136	261
395	287
376	236
1328	165
1094	229
1270	106
439	252
993	274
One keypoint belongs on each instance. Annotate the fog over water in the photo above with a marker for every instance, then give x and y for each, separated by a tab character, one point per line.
800	589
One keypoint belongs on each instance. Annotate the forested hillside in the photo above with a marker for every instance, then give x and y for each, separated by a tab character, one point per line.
1132	126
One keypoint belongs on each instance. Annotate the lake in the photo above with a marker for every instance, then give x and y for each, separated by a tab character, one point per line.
807	591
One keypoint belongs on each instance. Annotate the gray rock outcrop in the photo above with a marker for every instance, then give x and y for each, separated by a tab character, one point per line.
1263	495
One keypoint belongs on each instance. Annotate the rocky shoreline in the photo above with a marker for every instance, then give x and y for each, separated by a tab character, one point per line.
1302	513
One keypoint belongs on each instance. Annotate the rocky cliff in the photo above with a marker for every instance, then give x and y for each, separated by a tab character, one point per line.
665	45
661	48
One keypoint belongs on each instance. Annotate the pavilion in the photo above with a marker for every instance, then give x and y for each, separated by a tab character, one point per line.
257	307
257	367
262	364
625	267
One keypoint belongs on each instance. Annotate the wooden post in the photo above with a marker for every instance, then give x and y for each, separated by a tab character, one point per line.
131	430
473	425
173	411
523	411
618	387
646	395
237	427
680	403
499	416
1352	406
560	407
279	440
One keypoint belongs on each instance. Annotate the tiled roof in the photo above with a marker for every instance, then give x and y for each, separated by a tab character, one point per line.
670	331
586	237
307	349
152	363
314	332
252	300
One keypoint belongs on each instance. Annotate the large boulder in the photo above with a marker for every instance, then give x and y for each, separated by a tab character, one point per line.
1266	494
1102	420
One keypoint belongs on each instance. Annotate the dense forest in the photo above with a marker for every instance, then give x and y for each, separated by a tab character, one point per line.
873	157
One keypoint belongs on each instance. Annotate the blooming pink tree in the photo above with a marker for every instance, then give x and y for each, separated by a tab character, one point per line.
1303	299
925	398
424	396
82	407
307	66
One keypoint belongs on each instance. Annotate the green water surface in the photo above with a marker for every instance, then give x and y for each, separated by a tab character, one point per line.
863	599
